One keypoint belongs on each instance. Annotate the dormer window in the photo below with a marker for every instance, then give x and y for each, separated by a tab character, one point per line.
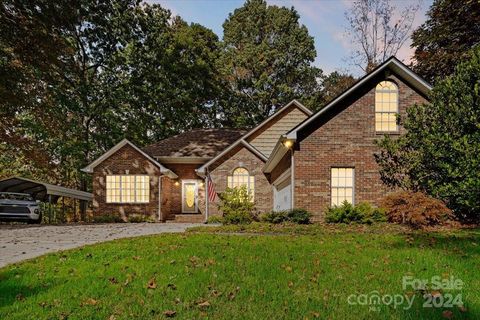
386	107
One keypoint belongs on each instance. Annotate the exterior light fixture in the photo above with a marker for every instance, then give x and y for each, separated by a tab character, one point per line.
288	144
176	183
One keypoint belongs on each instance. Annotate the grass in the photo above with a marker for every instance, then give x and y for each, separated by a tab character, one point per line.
283	272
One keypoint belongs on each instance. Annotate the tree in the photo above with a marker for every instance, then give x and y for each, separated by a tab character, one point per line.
266	61
375	32
81	75
334	84
439	154
446	38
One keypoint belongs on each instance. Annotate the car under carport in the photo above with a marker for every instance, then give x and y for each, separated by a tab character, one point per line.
46	192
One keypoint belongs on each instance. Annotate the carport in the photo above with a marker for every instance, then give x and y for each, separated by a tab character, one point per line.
46	192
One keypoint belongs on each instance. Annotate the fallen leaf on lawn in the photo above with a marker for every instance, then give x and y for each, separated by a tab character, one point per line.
90	302
169	313
113	280
447	314
172	286
177	300
290	284
128	280
173	261
288	269
112	317
210	262
20	297
136	257
316	314
152	284
204	304
462	308
215	293
231	296
436	294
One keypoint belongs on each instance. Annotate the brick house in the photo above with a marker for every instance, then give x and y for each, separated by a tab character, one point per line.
293	159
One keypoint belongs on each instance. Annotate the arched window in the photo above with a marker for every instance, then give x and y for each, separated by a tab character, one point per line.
241	177
386	107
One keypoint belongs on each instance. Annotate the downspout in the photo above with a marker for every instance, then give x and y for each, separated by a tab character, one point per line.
206	197
160	198
292	177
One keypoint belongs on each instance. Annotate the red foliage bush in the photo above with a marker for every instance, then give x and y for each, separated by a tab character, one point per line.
415	209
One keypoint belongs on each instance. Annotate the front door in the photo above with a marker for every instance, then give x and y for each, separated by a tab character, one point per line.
189	196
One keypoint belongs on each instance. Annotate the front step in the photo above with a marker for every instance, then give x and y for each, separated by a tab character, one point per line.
187	218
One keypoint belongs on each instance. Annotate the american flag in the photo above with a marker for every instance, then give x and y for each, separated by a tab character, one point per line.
211	190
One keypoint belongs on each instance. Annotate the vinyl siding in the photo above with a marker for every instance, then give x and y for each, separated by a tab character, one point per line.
265	142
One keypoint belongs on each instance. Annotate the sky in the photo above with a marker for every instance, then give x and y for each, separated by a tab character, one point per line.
325	20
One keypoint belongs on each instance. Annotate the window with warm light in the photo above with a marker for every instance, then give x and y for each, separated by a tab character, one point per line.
342	182
386	107
241	177
127	189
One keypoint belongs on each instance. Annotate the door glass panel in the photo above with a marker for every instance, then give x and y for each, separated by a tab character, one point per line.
190	195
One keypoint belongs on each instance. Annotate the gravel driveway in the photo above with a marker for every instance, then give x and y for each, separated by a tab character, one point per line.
20	242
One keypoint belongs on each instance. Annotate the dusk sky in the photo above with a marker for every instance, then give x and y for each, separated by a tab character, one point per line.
325	20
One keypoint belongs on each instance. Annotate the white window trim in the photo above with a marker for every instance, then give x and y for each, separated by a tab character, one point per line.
249	189
195	196
397	112
120	189
353	181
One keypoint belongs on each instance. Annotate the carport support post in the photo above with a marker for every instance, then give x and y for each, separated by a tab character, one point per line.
75	210
82	209
49	208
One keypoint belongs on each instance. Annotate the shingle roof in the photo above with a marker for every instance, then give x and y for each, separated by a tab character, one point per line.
204	143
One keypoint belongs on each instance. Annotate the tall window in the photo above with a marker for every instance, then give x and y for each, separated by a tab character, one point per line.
386	107
342	185
128	189
241	177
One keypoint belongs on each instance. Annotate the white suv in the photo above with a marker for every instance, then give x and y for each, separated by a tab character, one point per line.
19	207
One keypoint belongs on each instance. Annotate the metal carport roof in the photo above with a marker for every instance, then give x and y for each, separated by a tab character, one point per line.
41	190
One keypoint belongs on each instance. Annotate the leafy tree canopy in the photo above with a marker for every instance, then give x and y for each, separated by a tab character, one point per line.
445	39
266	61
77	76
439	154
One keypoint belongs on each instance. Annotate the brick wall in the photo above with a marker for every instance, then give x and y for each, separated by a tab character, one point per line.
242	157
346	139
126	158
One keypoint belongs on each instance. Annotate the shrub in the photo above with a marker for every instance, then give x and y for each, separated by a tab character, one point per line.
348	213
108	218
274	217
237	206
300	216
415	209
215	219
139	218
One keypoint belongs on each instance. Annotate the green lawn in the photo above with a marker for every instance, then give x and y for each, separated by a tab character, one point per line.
285	273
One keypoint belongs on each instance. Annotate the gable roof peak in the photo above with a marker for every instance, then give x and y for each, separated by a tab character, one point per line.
392	63
118	146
